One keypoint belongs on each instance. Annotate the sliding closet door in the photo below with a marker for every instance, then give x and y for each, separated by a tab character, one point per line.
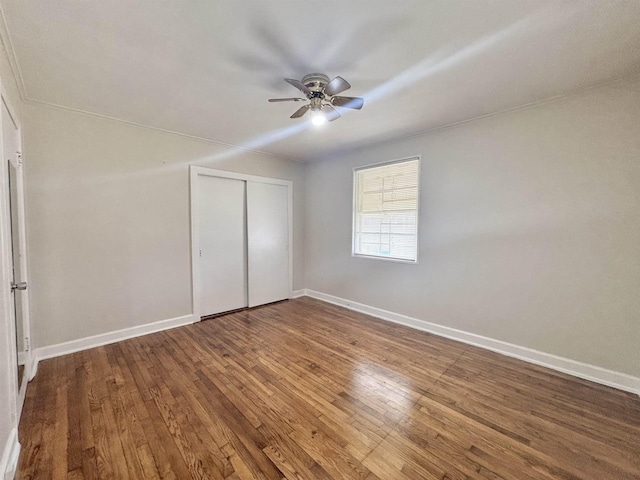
222	245
268	242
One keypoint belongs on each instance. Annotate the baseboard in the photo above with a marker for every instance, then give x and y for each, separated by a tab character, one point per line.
111	337
621	381
299	293
10	455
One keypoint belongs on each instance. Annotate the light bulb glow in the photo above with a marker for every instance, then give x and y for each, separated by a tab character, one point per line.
318	119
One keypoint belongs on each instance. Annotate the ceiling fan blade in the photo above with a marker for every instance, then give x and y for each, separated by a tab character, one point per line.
348	102
336	86
330	113
301	111
287	99
299	85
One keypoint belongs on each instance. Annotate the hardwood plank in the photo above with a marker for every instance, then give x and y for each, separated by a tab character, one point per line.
61	437
45	456
306	390
89	464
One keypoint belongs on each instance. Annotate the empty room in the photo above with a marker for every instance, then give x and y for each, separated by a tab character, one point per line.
298	240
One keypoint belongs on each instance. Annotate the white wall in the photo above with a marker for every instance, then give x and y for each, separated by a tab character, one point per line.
108	220
529	229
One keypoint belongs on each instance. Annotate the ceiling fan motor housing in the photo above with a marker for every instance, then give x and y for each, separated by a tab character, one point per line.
315	82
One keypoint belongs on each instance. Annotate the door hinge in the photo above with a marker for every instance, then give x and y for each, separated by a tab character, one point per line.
19	156
18	286
27	344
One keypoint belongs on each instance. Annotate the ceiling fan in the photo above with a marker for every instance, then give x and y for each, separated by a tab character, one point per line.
323	96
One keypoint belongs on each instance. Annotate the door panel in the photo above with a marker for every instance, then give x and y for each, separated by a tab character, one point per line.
13	159
268	242
222	239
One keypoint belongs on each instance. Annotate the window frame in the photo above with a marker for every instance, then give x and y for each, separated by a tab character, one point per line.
354	211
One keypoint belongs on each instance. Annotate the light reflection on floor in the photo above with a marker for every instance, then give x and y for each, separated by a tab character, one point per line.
389	393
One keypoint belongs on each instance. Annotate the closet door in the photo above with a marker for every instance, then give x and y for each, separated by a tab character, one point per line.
268	242
222	252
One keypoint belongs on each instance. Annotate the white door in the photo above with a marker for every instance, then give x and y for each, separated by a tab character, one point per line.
222	244
16	241
268	242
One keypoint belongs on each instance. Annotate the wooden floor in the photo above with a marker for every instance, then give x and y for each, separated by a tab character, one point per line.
306	390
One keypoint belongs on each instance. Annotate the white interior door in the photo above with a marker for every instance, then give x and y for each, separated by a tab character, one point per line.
11	149
268	242
222	244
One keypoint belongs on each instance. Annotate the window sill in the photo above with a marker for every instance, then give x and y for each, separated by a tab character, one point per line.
384	259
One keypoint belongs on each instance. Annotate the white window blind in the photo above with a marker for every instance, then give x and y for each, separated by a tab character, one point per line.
385	220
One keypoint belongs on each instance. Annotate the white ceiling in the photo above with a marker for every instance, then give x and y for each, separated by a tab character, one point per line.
206	68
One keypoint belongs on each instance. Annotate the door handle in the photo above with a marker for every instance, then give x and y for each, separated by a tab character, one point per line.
18	286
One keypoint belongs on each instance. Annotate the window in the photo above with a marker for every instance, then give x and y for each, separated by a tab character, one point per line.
385	217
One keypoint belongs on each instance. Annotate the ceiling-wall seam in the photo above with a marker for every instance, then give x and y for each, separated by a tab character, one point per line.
5	38
545	101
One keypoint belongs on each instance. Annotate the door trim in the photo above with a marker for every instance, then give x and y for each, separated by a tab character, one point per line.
194	173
